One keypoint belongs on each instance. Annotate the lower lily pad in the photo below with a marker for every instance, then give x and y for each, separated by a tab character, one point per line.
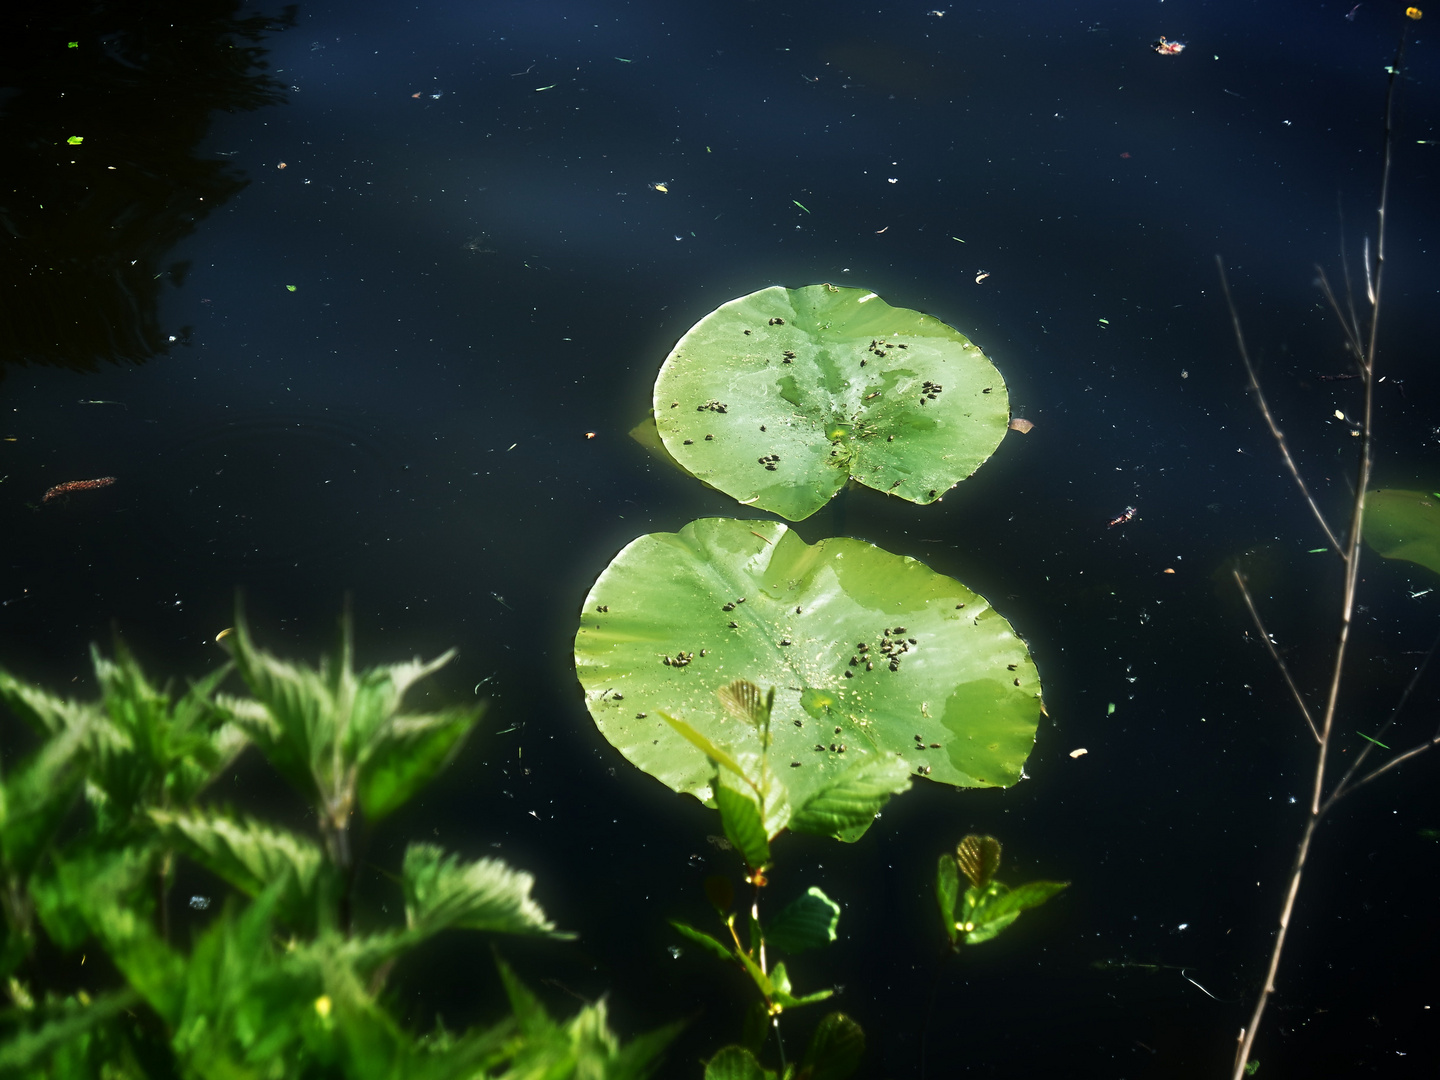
870	654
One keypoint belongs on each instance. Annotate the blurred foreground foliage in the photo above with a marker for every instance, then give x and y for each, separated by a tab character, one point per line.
279	983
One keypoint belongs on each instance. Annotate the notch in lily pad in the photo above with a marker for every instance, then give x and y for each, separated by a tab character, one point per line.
823	386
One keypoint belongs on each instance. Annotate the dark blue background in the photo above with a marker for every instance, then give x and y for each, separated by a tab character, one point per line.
483	273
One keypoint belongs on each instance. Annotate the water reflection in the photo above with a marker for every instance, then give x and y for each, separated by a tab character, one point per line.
103	114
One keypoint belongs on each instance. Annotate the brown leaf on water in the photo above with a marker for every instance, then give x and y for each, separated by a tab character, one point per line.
1020	424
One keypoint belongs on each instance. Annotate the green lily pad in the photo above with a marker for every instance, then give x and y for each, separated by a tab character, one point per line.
1404	525
867	651
779	398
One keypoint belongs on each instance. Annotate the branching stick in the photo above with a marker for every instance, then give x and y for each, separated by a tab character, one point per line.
1364	346
1275	431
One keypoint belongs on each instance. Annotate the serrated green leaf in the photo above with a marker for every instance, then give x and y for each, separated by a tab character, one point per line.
37	795
807	922
43	711
781	397
835	1049
408	754
665	596
442	892
253	857
338	736
852	801
741	817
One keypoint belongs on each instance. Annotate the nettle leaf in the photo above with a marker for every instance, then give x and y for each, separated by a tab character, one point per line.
911	666
408	754
337	735
36	796
807	922
42	710
443	892
253	857
781	397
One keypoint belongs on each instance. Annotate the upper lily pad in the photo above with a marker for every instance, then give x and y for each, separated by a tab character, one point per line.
872	657
1404	525
780	397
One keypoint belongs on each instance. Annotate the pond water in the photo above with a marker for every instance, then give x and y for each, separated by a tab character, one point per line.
380	341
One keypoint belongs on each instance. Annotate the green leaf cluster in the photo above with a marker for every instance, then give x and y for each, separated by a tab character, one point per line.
987	907
279	982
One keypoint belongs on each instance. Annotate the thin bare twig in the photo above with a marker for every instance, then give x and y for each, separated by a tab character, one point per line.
1360	758
1275	431
1319	805
1396	760
1275	654
1349	325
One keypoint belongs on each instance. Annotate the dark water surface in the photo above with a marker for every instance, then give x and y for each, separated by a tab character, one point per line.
416	280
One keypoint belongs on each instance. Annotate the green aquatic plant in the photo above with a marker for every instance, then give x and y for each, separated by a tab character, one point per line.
781	397
987	907
984	910
751	804
881	669
279	981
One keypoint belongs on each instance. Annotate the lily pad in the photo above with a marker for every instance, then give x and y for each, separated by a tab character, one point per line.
1404	525
781	397
874	657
